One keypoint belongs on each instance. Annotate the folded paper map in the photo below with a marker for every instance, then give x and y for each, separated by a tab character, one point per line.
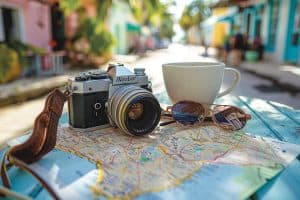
177	162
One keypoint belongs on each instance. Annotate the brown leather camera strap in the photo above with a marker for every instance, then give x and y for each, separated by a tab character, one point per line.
41	141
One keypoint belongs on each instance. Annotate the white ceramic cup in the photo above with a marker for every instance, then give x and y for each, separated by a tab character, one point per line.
197	81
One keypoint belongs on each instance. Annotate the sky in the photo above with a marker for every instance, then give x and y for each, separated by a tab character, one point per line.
177	10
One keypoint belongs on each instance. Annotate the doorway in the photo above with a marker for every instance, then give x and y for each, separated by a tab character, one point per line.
248	23
257	28
57	28
293	33
10	24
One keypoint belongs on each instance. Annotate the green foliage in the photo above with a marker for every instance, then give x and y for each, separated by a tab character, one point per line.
166	26
92	34
69	6
9	64
194	14
136	9
13	57
154	13
102	9
166	30
5	60
185	20
145	12
100	40
24	50
92	37
87	28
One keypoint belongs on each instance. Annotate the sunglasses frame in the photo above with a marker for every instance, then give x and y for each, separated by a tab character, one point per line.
207	111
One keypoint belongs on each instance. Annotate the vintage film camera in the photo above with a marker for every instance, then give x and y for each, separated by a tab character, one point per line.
117	97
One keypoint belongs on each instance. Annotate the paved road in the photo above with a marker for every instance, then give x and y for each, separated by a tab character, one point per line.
250	85
16	119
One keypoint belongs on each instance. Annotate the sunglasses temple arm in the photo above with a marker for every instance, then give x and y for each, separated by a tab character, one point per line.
208	119
248	117
167	123
14	195
166	115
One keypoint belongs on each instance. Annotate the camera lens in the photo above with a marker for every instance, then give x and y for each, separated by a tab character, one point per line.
134	110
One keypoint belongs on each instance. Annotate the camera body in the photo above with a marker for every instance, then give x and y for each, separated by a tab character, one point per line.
90	92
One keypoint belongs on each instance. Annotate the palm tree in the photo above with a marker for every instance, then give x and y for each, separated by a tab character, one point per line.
153	13
194	14
143	11
185	20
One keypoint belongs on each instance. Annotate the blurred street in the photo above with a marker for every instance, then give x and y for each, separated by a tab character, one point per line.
16	119
250	85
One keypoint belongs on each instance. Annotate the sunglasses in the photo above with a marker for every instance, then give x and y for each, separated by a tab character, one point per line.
189	113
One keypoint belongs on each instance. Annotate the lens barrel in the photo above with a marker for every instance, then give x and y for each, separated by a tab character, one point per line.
134	110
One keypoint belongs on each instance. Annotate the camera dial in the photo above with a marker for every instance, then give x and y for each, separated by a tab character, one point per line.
114	65
98	76
139	71
82	77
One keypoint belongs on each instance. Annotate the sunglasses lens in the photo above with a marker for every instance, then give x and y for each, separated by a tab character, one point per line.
229	117
187	113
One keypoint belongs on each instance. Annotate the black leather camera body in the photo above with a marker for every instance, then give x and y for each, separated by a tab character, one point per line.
86	105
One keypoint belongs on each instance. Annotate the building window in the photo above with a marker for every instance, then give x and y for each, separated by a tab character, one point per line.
274	16
10	25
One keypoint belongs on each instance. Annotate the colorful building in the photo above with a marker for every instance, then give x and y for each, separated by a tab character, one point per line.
277	22
218	26
123	26
28	21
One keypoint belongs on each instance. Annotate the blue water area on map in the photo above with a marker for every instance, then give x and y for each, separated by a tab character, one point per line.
213	181
64	119
282	187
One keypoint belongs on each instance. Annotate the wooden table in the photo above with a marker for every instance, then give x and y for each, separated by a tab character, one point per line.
269	119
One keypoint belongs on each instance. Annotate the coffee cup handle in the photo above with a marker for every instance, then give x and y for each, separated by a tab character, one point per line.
236	80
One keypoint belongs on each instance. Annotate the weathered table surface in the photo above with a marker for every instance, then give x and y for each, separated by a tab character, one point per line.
269	119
